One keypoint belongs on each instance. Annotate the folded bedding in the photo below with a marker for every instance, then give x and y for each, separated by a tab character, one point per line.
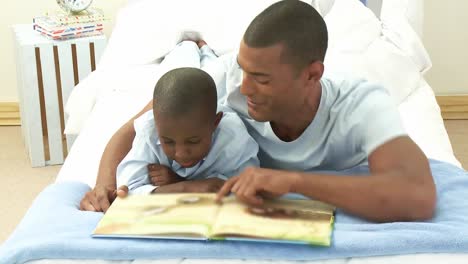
54	228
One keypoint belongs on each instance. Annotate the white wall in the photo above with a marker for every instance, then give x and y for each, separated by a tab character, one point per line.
446	40
22	12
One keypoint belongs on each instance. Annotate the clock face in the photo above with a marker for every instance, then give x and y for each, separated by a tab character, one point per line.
74	5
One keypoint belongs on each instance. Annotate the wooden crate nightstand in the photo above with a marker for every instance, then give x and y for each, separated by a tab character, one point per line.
47	71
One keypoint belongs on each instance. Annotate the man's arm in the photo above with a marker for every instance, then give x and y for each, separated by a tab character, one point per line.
400	187
119	145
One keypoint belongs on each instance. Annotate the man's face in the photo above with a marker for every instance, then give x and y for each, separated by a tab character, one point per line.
186	139
272	87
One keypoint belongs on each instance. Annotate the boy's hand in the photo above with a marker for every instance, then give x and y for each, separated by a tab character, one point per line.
100	198
161	175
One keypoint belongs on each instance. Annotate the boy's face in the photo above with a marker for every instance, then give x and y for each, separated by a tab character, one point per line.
186	138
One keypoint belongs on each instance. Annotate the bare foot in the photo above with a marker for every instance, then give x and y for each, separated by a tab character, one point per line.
200	43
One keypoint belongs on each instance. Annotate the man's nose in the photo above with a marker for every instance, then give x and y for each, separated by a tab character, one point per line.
247	86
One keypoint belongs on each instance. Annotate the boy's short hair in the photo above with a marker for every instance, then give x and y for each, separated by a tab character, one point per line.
295	24
182	90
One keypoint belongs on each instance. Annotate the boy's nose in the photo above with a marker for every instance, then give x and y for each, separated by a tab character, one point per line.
182	152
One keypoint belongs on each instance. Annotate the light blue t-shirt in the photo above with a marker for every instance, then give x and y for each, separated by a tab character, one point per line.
232	150
353	119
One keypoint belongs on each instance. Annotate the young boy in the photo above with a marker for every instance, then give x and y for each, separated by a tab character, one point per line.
186	136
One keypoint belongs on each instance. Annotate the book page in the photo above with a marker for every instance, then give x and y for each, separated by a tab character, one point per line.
186	214
299	220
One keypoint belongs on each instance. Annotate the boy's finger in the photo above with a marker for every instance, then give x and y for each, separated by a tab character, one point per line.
93	200
85	204
122	191
104	203
153	166
152	174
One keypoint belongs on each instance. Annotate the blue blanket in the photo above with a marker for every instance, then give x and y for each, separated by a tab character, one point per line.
55	228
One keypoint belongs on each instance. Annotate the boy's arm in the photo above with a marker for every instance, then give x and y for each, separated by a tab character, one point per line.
133	170
104	192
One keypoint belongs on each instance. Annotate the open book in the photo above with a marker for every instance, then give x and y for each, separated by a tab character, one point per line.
198	216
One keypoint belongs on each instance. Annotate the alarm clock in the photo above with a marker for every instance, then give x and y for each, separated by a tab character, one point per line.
74	6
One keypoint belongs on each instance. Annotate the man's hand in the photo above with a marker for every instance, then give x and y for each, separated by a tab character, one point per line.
161	175
253	184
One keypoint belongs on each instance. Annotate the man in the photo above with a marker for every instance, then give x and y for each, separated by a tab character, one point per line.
304	123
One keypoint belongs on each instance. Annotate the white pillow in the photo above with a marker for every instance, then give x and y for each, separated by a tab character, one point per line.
402	25
357	44
80	103
146	30
141	36
139	80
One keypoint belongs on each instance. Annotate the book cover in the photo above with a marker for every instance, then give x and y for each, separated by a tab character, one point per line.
198	216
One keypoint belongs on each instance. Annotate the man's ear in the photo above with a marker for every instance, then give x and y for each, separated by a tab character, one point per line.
219	116
315	71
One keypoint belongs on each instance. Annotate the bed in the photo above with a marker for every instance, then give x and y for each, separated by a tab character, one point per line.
387	36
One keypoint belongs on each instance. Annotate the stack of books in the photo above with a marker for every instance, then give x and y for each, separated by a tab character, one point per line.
61	26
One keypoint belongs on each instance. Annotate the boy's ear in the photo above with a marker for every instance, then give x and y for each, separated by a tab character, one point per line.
219	116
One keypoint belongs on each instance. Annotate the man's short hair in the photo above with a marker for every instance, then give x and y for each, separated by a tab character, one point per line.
183	90
294	23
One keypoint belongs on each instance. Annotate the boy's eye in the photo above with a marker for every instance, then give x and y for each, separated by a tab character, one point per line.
168	142
193	142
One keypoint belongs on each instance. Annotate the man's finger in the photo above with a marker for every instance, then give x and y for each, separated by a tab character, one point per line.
236	187
249	196
226	189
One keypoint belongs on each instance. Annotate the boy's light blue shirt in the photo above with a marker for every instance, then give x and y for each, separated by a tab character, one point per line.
232	150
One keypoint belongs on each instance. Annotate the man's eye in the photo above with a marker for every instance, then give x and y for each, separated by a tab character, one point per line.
263	81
